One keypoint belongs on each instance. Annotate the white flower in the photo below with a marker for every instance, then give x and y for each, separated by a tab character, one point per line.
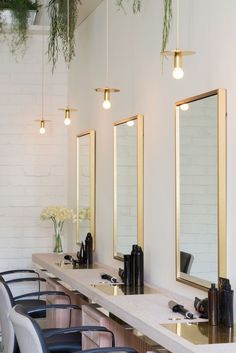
58	214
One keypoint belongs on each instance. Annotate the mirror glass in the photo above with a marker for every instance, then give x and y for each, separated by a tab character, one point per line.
85	185
201	188
128	185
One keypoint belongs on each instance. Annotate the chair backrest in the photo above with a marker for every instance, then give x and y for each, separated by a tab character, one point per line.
186	261
31	339
28	333
8	344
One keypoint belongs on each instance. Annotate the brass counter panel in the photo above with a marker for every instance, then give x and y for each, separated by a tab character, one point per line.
202	333
120	289
69	266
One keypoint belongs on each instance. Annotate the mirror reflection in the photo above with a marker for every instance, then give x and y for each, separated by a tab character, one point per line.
128	185
85	185
200	184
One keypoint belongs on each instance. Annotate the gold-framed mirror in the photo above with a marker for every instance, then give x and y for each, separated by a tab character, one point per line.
201	188
128	185
85	186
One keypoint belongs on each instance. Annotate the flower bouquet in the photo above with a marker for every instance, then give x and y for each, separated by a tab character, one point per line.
58	214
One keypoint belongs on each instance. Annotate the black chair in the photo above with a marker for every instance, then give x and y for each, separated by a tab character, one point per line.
69	342
30	335
30	300
186	261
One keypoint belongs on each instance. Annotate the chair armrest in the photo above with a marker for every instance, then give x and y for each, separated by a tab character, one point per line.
109	349
26	279
61	331
42	308
34	294
10	272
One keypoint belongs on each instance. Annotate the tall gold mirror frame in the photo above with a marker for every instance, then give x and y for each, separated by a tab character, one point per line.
140	132
221	188
91	154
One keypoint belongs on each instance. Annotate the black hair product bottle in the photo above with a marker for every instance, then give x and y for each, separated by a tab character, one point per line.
128	270
139	268
226	296
213	305
134	260
89	249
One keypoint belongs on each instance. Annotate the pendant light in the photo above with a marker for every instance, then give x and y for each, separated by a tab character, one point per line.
178	54
42	121
68	110
107	90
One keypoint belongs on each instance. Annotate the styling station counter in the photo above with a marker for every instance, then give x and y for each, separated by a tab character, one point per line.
148	313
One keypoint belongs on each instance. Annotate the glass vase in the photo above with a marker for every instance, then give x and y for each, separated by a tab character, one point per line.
58	244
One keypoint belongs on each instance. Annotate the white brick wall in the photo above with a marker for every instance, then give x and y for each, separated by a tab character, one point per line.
198	188
33	167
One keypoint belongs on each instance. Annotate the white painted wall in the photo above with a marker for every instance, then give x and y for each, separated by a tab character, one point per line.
33	167
135	67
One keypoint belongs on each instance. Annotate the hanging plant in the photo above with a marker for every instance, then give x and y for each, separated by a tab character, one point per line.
62	35
136	6
167	19
19	12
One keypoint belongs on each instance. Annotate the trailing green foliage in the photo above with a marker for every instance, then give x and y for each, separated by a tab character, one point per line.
19	27
167	19
62	36
16	4
136	6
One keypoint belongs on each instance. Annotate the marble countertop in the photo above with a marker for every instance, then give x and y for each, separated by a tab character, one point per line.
146	312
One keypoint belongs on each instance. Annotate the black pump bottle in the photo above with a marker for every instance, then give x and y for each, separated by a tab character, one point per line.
139	268
213	305
226	298
89	249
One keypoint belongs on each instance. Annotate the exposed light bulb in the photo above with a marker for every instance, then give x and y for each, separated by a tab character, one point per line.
184	107
67	121
130	123
42	130
178	73
106	104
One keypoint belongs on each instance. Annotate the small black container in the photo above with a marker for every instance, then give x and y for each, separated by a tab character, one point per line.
128	270
89	249
213	305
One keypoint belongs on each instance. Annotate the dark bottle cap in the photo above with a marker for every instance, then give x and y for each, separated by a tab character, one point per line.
88	236
139	249
224	283
134	247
